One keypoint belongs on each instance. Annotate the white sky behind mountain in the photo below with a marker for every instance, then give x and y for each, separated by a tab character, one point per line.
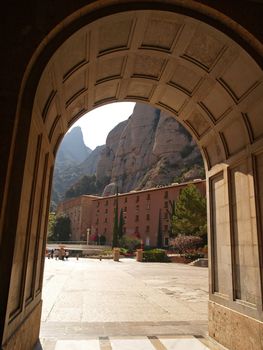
99	122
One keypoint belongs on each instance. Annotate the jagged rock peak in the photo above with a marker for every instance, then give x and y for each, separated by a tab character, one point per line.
72	147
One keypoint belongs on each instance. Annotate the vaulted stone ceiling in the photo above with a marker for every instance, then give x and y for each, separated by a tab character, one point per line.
171	61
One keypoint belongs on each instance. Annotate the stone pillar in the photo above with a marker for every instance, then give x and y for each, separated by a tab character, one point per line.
116	254
24	243
235	254
139	255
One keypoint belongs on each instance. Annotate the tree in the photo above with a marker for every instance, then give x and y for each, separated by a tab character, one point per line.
87	184
62	228
171	213
51	224
160	232
115	235
121	224
102	240
190	214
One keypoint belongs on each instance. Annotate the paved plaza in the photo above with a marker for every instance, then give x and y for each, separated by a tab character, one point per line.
126	305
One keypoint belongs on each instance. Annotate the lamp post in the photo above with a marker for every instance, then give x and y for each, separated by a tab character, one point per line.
88	233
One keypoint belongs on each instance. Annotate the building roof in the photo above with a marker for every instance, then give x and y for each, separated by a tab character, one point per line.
151	189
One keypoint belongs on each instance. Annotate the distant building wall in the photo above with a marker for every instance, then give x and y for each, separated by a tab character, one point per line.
141	212
79	210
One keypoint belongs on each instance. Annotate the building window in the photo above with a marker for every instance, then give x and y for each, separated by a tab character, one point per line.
166	204
147	228
126	199
148	217
137	199
97	221
137	218
125	210
166	215
136	229
105	220
165	228
106	211
105	230
98	204
166	241
107	202
166	194
148	196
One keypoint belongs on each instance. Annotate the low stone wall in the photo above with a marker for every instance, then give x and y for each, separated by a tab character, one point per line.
178	259
202	262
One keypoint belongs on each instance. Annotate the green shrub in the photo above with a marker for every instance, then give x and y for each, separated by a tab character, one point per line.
107	251
123	251
155	255
130	243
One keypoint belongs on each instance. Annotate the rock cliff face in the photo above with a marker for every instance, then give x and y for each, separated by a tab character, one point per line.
89	165
108	154
150	148
74	159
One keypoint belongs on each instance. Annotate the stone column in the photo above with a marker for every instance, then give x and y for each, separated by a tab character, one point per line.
24	243
139	255
235	305
116	254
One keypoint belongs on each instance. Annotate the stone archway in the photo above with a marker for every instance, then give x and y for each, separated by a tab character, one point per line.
179	64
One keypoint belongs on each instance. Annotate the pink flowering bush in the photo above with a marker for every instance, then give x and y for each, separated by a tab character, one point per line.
186	244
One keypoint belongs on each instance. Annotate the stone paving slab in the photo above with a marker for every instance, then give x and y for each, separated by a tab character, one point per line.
92	291
130	343
73	330
85	300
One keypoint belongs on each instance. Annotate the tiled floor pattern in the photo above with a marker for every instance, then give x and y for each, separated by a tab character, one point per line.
128	343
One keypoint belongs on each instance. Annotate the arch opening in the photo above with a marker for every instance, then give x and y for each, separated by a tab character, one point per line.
93	286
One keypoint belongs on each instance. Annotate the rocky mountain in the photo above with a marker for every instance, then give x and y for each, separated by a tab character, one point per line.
74	159
72	149
151	148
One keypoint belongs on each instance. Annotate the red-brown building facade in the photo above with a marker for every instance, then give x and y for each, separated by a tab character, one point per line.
79	210
142	211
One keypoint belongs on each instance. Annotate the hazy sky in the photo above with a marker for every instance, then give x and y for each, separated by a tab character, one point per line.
98	123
